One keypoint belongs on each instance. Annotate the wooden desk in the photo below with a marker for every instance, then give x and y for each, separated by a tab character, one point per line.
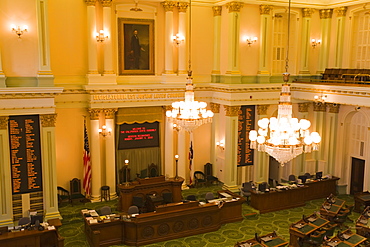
278	200
32	238
362	200
171	221
347	238
329	211
363	225
146	186
321	188
268	240
302	229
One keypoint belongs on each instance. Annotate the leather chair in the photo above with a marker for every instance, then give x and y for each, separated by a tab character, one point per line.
139	202
292	178
246	190
208	172
167	197
24	221
153	170
105	210
63	195
75	191
191	198
209	196
199	178
133	210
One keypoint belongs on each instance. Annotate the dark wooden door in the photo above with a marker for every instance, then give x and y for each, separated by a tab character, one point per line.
357	175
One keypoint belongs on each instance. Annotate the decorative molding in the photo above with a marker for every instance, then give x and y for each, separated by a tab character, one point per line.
333	108
307	12
232	111
90	2
217	10
94	113
319	106
182	6
265	9
4	123
168	5
110	113
262	109
303	107
326	13
48	120
234	6
341	11
106	3
215	108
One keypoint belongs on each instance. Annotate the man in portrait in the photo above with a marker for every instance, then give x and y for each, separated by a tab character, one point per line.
136	49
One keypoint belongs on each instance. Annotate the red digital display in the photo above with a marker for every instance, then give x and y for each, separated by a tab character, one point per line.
138	135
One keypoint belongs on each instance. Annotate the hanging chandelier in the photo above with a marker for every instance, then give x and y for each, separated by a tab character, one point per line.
284	137
189	114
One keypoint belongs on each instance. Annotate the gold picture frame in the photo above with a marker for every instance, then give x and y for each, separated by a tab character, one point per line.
135	46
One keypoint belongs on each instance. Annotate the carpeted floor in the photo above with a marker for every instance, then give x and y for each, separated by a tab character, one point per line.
227	235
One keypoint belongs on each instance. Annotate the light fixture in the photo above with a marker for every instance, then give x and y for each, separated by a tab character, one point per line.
178	39
127	183
250	40
177	160
101	36
221	144
189	114
18	30
284	137
136	8
104	131
320	98
315	42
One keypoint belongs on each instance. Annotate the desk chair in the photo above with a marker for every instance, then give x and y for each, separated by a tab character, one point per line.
246	190
24	221
292	178
199	178
133	210
105	210
139	202
191	198
75	191
63	195
210	179
167	197
209	196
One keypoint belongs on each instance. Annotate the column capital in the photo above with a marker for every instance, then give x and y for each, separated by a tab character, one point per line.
90	2
110	112
94	113
232	111
182	6
217	10
341	11
307	12
48	120
303	107
234	6
333	108
326	13
265	9
319	106
106	3
168	5
215	108
4	123
262	109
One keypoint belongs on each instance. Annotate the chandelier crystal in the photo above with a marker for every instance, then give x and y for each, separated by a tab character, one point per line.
284	137
189	114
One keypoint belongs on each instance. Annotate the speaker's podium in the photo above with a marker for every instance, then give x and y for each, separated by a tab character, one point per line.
148	186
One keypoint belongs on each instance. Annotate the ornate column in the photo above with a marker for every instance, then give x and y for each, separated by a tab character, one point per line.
49	178
6	207
264	60
340	22
233	74
169	147
305	47
91	39
168	44
183	163
44	75
216	39
325	16
95	153
331	138
261	167
108	47
182	7
2	75
231	148
301	166
110	152
215	132
318	125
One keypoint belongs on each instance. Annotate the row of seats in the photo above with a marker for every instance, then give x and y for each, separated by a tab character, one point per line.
340	74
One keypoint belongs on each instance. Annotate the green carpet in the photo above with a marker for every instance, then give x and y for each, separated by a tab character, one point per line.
279	221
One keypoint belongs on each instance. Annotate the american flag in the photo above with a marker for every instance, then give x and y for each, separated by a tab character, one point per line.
191	162
87	164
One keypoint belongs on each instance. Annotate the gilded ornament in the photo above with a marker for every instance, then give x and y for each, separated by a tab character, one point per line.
234	6
232	111
341	11
48	120
90	2
307	12
319	106
215	108
182	6
326	13
94	113
333	108
262	109
110	112
265	9
217	10
4	123
168	5
303	107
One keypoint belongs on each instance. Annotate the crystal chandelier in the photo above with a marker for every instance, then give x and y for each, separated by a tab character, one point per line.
189	114
284	137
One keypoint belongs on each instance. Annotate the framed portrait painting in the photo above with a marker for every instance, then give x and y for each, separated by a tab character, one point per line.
135	46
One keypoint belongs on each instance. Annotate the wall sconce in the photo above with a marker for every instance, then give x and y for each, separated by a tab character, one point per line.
221	144
104	131
250	40
315	42
176	127
178	39
320	98
100	37
18	30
